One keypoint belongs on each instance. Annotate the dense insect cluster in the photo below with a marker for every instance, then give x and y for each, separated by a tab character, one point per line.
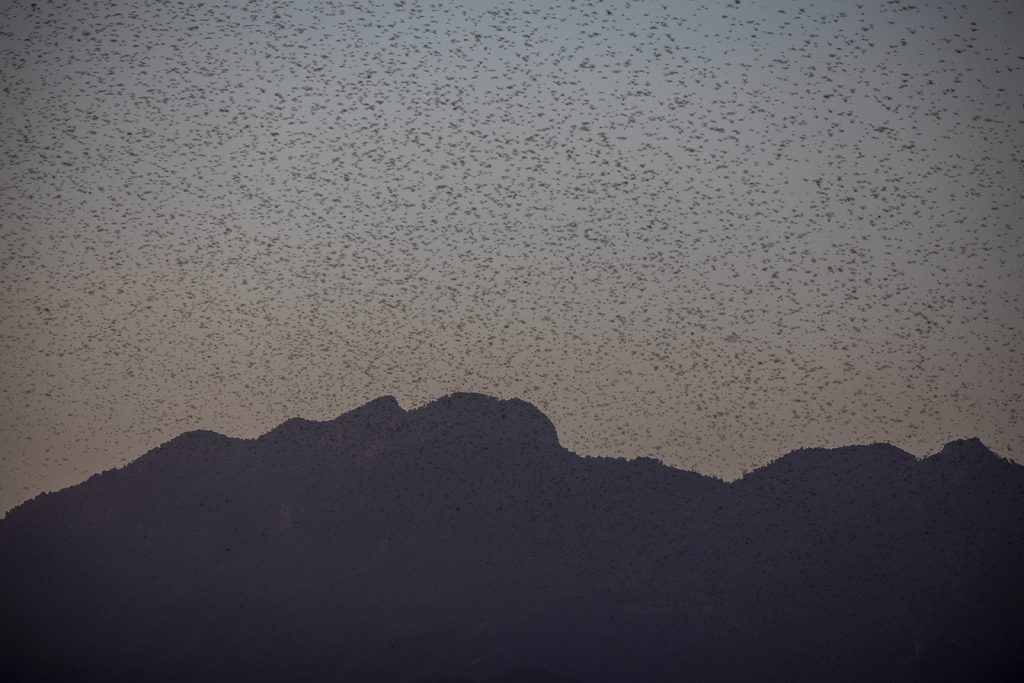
704	232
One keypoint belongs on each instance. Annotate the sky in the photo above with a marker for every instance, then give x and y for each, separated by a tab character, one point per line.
709	233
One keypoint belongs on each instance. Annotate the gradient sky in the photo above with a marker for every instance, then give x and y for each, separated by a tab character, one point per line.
705	232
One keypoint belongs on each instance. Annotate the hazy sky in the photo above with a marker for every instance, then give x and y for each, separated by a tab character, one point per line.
705	232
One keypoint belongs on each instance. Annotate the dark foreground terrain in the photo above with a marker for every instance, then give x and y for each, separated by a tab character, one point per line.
460	541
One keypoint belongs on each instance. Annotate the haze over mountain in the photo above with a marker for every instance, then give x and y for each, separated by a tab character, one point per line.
461	541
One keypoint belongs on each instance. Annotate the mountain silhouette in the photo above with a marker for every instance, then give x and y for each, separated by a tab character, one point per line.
461	542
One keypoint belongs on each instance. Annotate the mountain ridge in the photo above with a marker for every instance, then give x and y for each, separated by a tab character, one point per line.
387	408
460	540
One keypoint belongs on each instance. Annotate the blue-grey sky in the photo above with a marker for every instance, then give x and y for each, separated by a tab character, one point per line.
706	232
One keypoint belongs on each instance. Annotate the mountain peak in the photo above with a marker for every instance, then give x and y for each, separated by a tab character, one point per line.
965	449
971	444
385	404
373	413
474	416
842	462
382	407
